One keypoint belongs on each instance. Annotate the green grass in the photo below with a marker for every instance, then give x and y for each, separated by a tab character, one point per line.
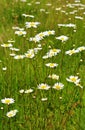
33	114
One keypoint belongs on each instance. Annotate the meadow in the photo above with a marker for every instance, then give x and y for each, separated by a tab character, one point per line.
42	65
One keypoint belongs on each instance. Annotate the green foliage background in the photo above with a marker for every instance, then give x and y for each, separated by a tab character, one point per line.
53	114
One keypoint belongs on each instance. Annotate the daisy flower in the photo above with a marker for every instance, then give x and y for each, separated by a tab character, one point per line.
54	76
19	57
39	45
43	86
6	45
23	0
37	49
29	91
79	17
8	101
50	32
48	4
21	91
4	68
58	86
12	54
45	57
15	28
41	35
51	65
62	38
35	39
27	15
29	4
29	55
81	48
73	79
10	41
42	10
53	52
31	24
67	25
44	99
20	32
71	52
1	108
14	49
38	2
11	113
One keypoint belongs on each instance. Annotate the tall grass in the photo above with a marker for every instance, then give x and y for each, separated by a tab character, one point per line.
61	109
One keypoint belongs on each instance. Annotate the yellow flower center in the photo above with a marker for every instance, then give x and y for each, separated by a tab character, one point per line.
51	65
57	87
20	32
73	79
41	34
10	114
72	51
43	86
7	101
62	39
49	32
81	48
6	45
28	55
32	24
19	57
54	50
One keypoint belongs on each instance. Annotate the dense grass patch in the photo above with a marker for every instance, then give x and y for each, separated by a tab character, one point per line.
42	65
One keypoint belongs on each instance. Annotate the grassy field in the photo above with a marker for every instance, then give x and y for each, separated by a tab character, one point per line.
42	65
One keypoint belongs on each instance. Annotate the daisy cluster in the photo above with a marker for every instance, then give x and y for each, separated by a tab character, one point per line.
26	91
57	85
73	51
9	101
41	35
75	80
51	53
23	34
29	54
